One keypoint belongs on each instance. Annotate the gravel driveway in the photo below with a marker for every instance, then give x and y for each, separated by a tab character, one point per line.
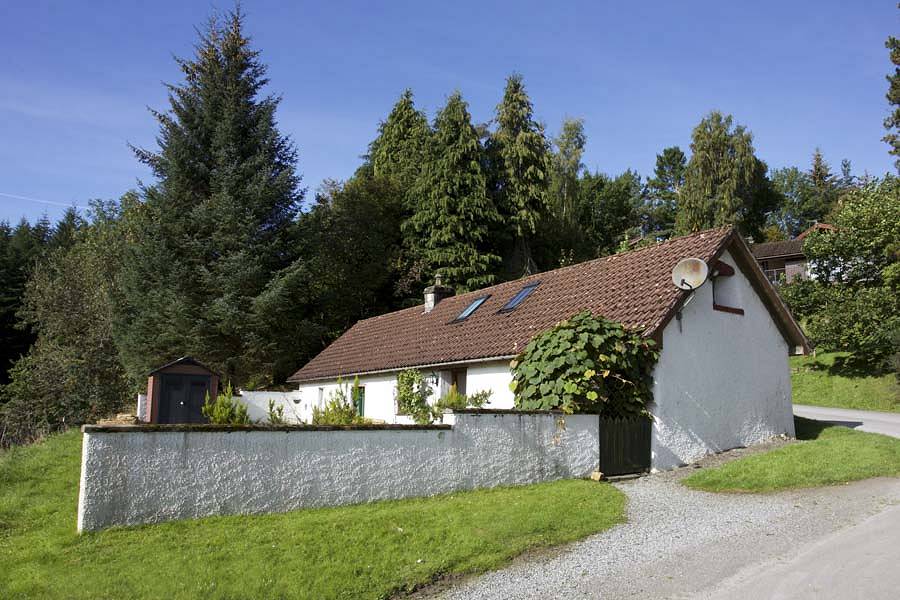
681	543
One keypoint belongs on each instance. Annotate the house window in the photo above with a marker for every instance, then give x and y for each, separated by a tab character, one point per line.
520	297
471	309
320	401
359	400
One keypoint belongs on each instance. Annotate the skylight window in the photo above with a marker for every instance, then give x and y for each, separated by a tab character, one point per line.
471	308
520	297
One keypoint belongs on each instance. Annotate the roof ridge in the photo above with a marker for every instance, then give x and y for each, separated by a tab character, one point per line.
608	257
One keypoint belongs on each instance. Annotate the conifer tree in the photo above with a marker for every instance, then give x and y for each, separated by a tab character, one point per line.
402	140
455	213
661	206
725	183
523	173
219	222
892	121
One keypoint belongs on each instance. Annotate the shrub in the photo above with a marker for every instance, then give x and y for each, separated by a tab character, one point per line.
413	393
225	410
453	400
275	415
339	410
585	364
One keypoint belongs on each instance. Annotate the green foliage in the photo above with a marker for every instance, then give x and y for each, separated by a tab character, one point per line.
585	364
397	545
828	455
402	142
413	393
522	173
853	304
724	182
609	209
275	415
454	400
218	224
225	410
454	213
661	206
340	408
72	374
892	121
566	167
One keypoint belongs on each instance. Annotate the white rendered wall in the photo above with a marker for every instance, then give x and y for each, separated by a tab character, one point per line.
381	390
257	404
131	476
494	376
723	380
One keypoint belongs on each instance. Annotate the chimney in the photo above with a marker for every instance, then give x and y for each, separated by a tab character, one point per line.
436	293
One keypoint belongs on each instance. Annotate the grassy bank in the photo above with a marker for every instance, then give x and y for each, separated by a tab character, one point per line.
365	551
823	381
827	454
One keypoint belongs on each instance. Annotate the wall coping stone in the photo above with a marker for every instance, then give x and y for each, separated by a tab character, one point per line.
209	428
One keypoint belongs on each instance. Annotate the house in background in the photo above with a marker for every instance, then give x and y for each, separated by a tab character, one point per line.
785	261
722	379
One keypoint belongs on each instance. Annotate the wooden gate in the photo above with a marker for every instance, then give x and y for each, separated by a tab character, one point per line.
624	446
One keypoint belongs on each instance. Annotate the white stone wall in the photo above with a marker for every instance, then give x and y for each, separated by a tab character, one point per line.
131	477
723	380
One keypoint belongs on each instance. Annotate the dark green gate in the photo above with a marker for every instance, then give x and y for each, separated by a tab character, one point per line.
624	446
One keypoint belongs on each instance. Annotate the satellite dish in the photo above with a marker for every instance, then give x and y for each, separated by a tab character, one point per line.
689	273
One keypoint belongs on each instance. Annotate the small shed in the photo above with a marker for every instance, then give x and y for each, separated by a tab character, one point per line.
176	391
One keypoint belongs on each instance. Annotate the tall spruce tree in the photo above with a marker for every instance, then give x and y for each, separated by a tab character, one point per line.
725	183
397	152
523	173
218	223
661	205
892	121
455	213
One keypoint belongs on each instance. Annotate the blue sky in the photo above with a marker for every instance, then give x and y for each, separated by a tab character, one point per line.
76	79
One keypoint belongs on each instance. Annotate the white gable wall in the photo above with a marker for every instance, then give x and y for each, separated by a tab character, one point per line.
722	380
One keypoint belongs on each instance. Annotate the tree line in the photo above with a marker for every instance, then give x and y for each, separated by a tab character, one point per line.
224	258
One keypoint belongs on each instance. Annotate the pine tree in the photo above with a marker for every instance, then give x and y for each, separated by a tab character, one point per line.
455	213
220	221
402	140
523	172
724	182
658	214
892	121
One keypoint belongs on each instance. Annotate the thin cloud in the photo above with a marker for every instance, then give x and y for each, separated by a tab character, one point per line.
38	200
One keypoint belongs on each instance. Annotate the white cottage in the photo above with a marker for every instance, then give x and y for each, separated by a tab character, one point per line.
722	379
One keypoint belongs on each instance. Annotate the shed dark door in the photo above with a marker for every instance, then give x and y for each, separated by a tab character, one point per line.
181	398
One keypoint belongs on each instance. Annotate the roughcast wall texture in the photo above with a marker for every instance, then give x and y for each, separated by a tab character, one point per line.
129	477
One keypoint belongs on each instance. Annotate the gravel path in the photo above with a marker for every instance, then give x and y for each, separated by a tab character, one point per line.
679	542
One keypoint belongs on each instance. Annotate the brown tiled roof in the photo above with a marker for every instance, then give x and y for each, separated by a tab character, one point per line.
634	288
772	249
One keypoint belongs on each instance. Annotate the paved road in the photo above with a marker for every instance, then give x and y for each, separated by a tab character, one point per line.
856	562
864	420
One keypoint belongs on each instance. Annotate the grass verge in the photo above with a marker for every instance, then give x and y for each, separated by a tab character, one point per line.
364	551
823	381
827	455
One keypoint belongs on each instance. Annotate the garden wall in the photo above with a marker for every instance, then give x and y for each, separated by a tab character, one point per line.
148	474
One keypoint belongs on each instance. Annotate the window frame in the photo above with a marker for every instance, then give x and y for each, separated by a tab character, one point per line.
480	302
509	306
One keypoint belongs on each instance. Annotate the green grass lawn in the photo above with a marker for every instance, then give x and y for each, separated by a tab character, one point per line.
827	454
364	551
821	382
